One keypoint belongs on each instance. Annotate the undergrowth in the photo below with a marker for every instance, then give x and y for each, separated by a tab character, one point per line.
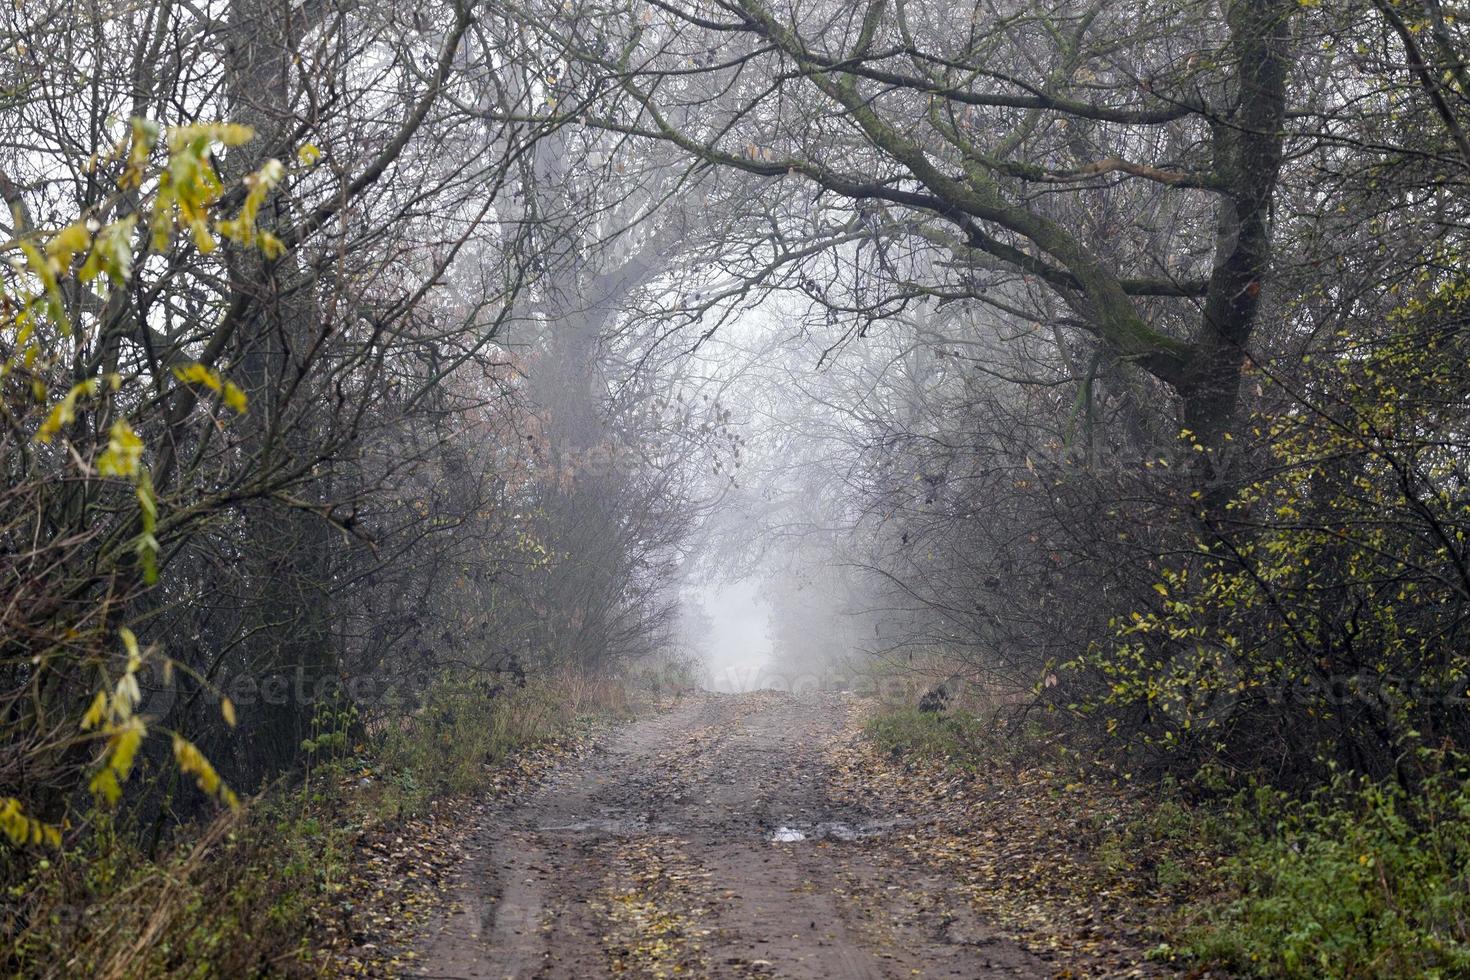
1361	880
237	896
1127	840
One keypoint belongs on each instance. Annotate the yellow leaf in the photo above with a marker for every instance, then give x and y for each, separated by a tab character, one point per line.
230	134
124	453
97	713
125	747
130	643
270	246
23	829
270	174
112	252
234	397
68	242
203	240
104	784
199	374
193	762
64	412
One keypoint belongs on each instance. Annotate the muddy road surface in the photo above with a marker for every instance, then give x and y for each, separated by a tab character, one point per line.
709	842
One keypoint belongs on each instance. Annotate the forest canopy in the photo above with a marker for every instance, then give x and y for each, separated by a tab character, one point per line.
1112	356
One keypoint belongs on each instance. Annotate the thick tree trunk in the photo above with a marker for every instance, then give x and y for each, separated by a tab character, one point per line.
287	571
1248	149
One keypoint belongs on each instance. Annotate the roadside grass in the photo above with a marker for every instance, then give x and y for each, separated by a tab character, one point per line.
1359	881
972	740
282	886
446	748
959	738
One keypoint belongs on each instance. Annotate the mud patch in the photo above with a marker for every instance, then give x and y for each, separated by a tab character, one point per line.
613	827
656	858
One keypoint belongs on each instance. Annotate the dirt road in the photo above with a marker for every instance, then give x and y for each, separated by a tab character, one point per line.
707	842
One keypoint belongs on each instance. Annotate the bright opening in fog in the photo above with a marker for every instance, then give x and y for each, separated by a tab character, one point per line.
728	627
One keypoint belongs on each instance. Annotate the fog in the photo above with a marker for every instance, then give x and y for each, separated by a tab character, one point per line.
728	627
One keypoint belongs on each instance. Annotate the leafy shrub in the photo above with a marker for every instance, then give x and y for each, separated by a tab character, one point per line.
229	902
1371	881
65	648
1320	612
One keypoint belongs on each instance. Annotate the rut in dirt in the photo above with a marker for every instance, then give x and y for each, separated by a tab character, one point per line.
710	841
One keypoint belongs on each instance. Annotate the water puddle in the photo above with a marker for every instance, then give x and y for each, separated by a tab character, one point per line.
833	830
792	833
